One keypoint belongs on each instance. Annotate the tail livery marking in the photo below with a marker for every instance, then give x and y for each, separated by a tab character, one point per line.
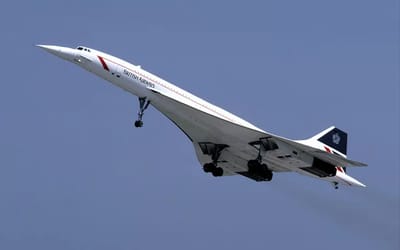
329	151
336	139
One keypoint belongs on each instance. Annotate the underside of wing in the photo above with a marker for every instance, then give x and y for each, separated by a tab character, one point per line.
336	160
201	126
235	147
207	131
333	159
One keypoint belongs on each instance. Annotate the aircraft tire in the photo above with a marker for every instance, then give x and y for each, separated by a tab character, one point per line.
217	172
138	124
208	167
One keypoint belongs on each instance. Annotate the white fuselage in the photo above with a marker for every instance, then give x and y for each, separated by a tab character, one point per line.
141	83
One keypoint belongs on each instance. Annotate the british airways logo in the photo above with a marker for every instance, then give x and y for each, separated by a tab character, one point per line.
336	138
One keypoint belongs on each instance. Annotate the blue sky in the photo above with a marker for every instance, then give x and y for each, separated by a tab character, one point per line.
76	174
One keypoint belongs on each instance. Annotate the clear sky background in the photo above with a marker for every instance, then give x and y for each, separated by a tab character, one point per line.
76	174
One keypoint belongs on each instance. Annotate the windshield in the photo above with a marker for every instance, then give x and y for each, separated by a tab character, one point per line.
83	48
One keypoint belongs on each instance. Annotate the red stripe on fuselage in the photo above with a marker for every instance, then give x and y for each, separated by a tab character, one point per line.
103	63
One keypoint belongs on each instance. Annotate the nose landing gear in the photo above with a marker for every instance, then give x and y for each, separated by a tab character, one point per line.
143	105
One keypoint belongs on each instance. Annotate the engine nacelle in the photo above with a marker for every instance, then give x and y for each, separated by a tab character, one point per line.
321	168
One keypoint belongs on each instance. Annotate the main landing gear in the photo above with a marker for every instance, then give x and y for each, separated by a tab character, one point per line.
215	151
143	105
259	171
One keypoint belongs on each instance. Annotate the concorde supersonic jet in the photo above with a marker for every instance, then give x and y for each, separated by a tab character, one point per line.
224	143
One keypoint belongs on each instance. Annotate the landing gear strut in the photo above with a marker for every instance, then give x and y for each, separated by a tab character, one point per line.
143	105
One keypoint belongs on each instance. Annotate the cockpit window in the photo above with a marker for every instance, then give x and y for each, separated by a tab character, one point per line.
82	48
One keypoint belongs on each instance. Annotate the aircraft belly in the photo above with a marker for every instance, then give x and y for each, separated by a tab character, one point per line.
200	127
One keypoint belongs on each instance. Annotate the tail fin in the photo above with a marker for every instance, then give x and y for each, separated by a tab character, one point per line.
334	138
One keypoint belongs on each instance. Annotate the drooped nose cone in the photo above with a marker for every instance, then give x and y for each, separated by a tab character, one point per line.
63	52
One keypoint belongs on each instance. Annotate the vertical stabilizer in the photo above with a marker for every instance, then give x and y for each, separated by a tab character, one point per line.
334	138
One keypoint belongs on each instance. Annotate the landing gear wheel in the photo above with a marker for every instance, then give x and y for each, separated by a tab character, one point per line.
209	167
217	172
138	124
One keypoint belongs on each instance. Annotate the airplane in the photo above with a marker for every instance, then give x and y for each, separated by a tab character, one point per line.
224	143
